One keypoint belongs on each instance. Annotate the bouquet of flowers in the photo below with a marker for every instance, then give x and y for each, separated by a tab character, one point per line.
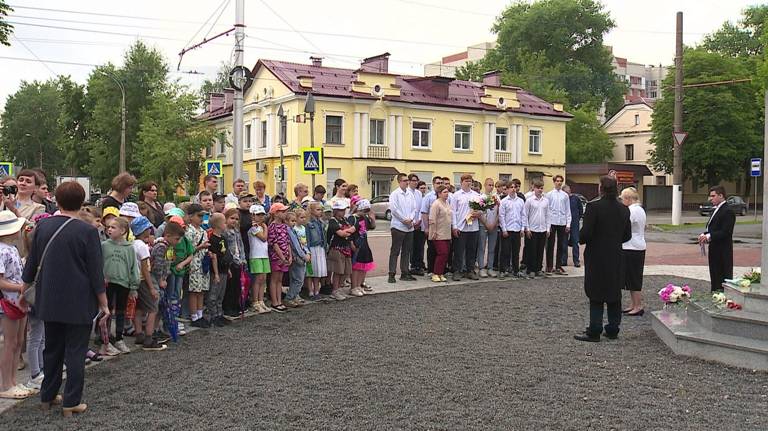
482	203
718	298
672	294
753	276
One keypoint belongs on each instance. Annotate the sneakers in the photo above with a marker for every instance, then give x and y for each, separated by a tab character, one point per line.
337	295
35	383
472	275
456	276
560	271
407	277
356	291
483	273
443	279
436	279
492	273
152	345
122	347
366	289
201	323
541	274
262	308
391	278
502	276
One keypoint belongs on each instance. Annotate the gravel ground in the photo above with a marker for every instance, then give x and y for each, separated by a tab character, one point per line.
490	356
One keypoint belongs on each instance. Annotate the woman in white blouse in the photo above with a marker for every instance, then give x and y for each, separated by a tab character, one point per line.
634	252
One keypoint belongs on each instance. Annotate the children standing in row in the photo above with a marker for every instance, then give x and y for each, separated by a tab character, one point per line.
301	259
162	258
148	295
199	282
221	258
280	258
232	296
340	251
258	261
316	243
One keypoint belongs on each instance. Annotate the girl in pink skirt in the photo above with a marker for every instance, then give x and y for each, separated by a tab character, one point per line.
279	254
362	256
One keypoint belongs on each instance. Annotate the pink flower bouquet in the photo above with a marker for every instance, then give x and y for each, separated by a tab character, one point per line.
672	294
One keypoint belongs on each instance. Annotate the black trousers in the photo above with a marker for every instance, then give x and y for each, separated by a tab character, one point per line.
526	250
64	344
596	318
417	254
510	252
535	248
117	298
465	251
558	236
720	265
402	245
431	254
231	302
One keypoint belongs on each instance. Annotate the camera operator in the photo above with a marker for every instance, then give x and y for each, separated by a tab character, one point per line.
8	191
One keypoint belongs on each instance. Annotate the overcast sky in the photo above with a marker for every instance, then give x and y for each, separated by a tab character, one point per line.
415	32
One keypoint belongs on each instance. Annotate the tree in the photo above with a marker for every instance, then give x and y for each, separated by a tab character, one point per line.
30	131
724	122
470	71
742	39
218	84
5	29
587	141
170	138
73	137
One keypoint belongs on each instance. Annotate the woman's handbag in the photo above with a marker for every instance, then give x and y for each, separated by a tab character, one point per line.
11	310
29	292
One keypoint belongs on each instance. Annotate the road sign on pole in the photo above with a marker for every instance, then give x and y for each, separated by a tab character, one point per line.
213	167
312	161
756	167
680	137
6	169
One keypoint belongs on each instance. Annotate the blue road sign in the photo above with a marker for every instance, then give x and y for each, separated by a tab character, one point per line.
756	167
213	167
312	161
6	169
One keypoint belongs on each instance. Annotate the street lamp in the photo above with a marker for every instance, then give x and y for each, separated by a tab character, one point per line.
283	120
122	126
309	108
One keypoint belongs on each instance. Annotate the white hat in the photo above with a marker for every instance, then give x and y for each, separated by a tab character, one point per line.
130	209
340	204
9	223
167	207
364	204
307	199
257	209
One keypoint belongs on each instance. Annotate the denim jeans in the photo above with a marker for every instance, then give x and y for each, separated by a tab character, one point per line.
489	239
574	242
215	296
297	272
35	345
596	318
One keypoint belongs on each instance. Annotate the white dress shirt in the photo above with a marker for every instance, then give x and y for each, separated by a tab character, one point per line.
426	204
513	216
418	197
637	218
402	206
460	207
709	237
538	214
559	208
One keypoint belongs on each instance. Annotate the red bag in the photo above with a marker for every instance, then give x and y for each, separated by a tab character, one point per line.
11	310
130	308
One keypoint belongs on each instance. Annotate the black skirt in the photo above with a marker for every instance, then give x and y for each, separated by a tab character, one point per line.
634	261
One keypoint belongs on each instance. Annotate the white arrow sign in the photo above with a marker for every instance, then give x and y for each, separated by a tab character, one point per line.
680	137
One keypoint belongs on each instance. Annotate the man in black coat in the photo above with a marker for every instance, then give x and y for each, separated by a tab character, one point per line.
719	235
606	227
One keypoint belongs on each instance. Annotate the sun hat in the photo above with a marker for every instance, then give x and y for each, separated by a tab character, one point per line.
10	223
175	212
230	206
275	207
139	225
364	204
110	211
340	204
244	195
168	206
178	220
257	209
354	199
327	208
130	209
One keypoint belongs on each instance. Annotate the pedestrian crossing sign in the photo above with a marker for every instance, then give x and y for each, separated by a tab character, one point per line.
213	167
6	169
312	161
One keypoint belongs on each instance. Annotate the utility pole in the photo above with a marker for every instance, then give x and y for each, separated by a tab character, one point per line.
677	170
309	108
764	260
282	137
237	114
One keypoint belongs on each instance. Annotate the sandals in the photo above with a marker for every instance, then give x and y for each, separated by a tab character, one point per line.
16	393
93	356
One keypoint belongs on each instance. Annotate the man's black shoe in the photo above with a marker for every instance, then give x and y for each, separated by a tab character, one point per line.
611	336
407	277
588	338
417	272
391	279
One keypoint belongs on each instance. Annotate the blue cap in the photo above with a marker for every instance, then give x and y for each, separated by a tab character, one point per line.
139	225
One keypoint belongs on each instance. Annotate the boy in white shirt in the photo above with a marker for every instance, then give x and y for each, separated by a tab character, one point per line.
513	220
537	231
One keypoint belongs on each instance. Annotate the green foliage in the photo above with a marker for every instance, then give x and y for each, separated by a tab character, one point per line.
724	122
471	71
73	138
587	141
218	84
5	29
170	138
742	39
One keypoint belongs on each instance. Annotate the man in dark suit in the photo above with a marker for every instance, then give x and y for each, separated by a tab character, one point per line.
577	212
719	235
606	227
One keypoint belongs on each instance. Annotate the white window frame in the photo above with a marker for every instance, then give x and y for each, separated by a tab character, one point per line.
627	148
637	119
263	140
505	137
468	134
538	134
331	175
372	132
421	131
247	137
341	133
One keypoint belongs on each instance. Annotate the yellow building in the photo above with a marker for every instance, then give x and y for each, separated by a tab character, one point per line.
372	124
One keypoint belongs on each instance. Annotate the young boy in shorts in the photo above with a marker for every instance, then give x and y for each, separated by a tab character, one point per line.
148	295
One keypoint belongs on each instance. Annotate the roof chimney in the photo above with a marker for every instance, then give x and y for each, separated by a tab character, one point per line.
229	97
378	63
317	61
492	78
215	101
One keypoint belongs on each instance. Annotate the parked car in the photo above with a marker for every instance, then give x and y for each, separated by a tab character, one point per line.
380	207
736	203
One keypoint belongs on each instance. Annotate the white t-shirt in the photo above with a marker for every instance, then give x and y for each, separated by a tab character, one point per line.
259	248
142	252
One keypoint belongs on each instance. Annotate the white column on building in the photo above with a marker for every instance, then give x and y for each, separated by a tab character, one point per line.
399	137
272	150
254	144
486	142
512	142
391	139
520	143
356	134
364	135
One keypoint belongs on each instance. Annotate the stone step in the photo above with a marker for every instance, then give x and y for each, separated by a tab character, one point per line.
754	298
740	323
686	337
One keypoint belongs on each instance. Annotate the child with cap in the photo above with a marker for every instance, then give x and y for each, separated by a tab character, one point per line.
148	296
183	252
130	211
362	258
340	252
280	258
162	257
221	258
258	258
198	279
107	214
173	211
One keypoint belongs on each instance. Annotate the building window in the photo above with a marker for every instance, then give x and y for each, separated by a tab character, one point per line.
653	94
501	139
331	174
534	141
637	119
247	137
283	133
462	135
376	132
420	134
222	144
333	129
629	152
661	180
263	134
